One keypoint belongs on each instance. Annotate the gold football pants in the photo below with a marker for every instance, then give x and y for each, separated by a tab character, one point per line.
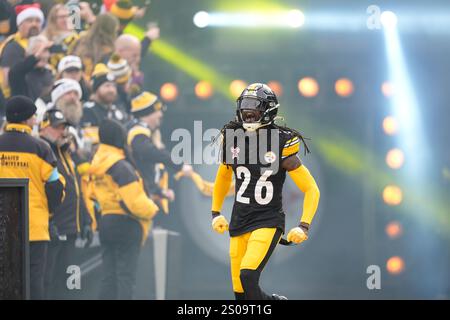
249	254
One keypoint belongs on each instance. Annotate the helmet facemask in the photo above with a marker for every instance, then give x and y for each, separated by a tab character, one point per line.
254	112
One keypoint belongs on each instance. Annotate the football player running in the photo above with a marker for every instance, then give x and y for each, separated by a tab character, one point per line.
257	220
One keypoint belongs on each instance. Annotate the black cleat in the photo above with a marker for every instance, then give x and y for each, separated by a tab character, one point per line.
278	297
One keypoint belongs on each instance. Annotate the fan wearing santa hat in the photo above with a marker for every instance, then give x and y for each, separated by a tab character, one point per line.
30	20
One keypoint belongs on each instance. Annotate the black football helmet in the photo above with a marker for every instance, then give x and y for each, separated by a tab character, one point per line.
257	97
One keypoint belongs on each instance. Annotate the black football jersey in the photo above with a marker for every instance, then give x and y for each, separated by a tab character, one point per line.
94	114
256	159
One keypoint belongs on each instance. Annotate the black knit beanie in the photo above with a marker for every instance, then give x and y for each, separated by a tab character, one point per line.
98	80
19	109
113	133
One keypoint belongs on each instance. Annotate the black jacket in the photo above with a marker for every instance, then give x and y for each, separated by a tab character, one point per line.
94	113
147	155
2	107
71	215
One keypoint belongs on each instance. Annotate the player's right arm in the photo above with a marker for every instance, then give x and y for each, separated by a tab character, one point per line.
306	183
221	186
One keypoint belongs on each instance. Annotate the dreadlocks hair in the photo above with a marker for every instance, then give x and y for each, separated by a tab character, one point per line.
295	133
233	125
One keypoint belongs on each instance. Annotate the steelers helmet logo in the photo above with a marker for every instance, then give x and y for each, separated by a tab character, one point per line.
270	157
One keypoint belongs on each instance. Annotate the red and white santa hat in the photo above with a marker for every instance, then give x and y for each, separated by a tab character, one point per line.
27	11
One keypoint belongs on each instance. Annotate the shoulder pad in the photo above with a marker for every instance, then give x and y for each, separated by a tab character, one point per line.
291	145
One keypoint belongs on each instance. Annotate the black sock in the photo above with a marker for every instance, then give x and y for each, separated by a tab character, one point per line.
239	296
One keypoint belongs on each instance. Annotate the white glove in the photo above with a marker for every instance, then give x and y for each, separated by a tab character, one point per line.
297	235
220	224
187	170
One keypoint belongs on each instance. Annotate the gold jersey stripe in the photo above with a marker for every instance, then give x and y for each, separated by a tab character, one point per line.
287	151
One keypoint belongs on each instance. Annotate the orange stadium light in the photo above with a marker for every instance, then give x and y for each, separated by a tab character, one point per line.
395	158
203	90
390	125
344	87
387	88
169	91
392	195
237	86
276	87
394	229
395	265
308	87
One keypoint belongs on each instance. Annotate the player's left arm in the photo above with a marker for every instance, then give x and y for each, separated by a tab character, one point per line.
221	187
306	183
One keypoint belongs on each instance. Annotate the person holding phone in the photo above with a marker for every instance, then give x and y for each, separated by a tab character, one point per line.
32	77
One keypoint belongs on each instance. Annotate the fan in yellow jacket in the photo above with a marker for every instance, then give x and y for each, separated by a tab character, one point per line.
25	156
126	210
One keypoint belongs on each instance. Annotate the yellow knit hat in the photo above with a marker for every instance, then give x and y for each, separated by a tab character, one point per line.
146	103
123	10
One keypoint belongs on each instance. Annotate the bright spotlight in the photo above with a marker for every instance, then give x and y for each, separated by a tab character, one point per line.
295	18
201	19
276	87
388	19
253	19
237	86
387	88
392	195
203	90
395	265
394	229
308	87
344	87
395	158
405	106
390	125
169	91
